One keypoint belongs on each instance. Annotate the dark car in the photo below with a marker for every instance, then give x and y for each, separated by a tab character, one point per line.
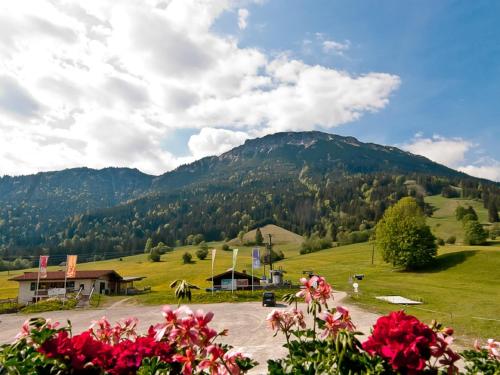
268	299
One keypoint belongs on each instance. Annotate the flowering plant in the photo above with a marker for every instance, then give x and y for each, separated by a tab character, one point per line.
399	343
330	346
408	345
183	343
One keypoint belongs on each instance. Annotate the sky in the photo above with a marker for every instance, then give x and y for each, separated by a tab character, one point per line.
154	84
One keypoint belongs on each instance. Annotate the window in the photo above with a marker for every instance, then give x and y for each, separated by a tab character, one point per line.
71	284
33	286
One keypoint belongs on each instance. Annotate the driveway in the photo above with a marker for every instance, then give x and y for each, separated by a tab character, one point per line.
246	322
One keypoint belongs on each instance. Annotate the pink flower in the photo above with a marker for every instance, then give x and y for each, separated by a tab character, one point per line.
230	359
315	289
187	360
274	319
213	362
336	321
492	346
285	320
25	330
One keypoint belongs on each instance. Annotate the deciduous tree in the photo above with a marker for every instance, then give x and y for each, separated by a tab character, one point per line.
403	236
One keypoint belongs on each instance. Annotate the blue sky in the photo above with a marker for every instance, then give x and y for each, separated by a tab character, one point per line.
446	53
154	84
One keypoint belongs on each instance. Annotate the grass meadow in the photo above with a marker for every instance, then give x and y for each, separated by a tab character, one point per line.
461	290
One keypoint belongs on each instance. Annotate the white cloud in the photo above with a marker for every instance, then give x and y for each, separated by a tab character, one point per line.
484	168
448	151
243	18
331	46
211	141
335	47
452	152
101	83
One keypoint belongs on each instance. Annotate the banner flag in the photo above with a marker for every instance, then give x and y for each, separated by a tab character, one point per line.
44	260
235	255
214	252
256	257
71	266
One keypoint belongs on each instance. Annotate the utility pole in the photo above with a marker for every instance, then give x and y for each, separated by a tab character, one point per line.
270	252
373	251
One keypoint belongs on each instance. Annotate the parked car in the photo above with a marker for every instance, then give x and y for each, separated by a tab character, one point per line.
268	299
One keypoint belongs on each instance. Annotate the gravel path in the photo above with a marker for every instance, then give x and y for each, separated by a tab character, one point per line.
246	323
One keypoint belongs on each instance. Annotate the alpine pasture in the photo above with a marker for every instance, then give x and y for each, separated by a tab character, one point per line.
460	289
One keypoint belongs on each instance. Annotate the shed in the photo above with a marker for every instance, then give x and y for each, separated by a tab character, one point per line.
242	280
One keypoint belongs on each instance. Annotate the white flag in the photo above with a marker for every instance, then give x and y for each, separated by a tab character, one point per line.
214	251
235	255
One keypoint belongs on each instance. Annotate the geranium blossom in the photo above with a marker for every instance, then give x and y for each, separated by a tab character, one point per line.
403	341
492	346
285	320
183	340
336	321
315	289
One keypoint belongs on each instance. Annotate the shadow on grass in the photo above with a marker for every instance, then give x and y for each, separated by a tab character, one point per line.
445	261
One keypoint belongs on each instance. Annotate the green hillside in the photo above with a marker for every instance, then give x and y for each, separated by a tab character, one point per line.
304	182
461	290
443	221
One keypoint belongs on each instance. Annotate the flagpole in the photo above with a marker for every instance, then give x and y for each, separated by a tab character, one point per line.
65	278
37	282
213	258
252	268
235	251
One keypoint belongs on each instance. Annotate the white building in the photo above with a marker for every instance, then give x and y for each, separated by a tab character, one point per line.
103	282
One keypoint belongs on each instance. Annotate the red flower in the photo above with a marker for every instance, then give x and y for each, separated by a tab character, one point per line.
403	341
80	351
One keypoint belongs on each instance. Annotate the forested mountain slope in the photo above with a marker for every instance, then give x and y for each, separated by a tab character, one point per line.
305	182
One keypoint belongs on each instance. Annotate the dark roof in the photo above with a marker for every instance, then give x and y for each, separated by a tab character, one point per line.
237	275
59	275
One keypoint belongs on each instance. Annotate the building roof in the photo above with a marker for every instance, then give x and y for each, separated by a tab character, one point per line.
59	275
133	278
237	275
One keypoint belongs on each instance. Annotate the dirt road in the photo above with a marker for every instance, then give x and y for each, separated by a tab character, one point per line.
246	323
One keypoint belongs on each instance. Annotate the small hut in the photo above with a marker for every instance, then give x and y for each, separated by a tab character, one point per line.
242	280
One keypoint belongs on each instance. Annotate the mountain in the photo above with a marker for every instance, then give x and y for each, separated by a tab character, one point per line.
320	152
305	182
63	193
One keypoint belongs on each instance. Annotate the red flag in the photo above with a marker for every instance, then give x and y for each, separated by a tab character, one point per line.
44	260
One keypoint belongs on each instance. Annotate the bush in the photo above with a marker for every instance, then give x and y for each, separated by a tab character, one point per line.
187	258
461	213
201	254
315	243
474	233
259	239
449	192
345	238
403	236
154	255
163	249
275	256
451	240
440	241
226	247
51	304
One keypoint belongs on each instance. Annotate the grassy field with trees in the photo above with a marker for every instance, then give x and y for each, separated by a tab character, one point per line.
460	288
